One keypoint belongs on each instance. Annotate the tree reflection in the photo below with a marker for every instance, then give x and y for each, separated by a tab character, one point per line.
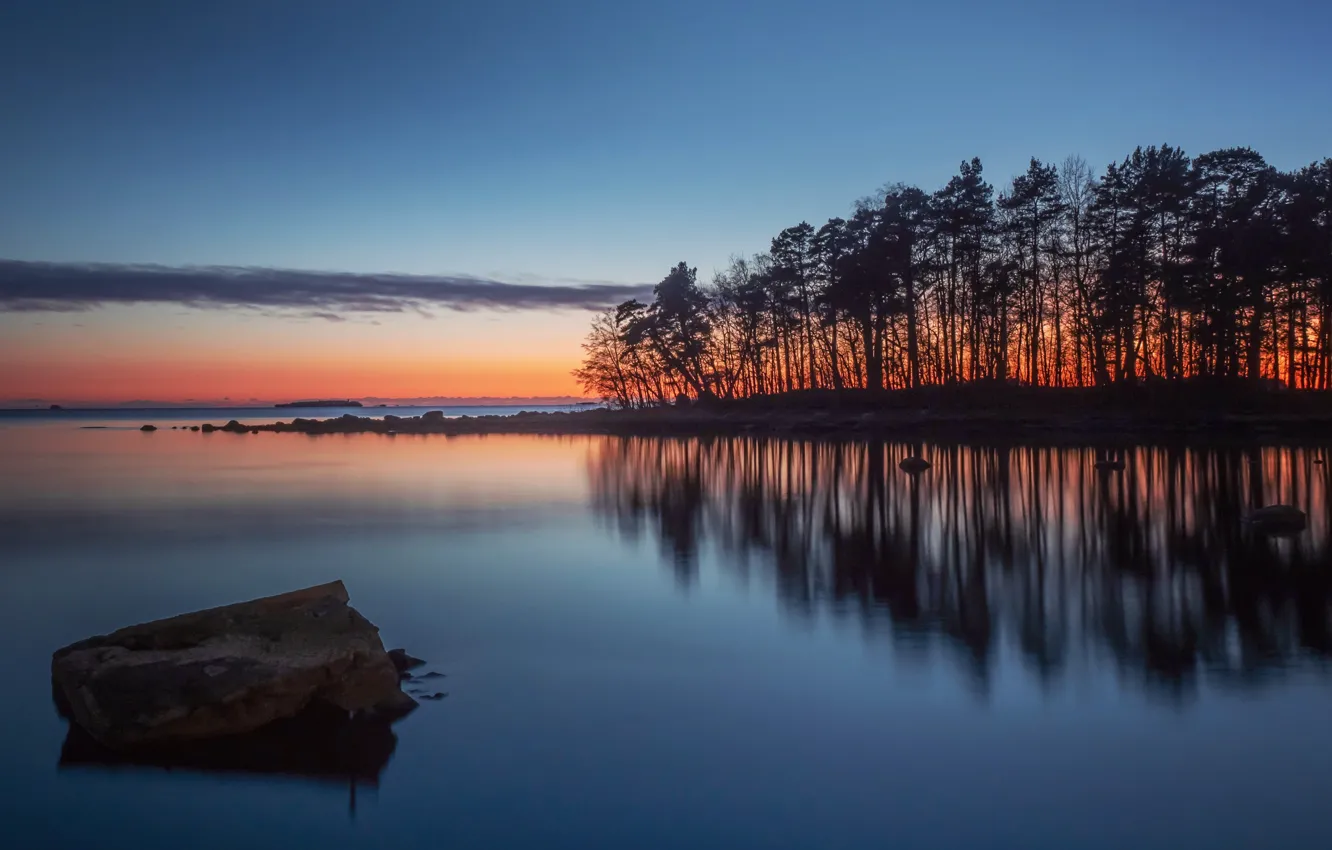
1152	568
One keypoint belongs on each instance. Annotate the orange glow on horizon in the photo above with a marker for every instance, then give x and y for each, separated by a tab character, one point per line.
241	380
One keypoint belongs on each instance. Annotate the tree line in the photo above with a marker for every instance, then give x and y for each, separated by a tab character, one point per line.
1164	267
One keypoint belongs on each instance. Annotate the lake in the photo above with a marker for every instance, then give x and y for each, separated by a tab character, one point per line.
729	643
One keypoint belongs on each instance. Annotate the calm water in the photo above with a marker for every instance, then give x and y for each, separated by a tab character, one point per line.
726	643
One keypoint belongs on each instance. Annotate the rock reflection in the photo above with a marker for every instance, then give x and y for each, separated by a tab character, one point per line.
1152	567
322	744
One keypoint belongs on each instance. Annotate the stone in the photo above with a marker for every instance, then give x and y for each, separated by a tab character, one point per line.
1109	465
148	428
435	696
403	662
194	427
227	670
208	429
432	416
431	675
914	464
1278	519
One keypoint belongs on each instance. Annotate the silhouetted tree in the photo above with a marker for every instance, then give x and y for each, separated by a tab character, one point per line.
1165	267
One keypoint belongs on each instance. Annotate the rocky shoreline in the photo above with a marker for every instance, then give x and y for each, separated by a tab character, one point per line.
1007	425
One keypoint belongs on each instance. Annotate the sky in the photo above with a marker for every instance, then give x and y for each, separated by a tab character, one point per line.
445	159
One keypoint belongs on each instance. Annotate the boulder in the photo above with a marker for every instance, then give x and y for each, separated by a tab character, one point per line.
914	464
432	416
1109	465
208	429
194	427
148	428
228	670
235	427
1278	519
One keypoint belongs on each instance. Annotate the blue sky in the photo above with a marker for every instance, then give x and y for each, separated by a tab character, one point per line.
590	140
545	142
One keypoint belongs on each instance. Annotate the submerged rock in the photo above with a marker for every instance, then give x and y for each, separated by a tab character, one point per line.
148	428
1278	519
228	670
914	464
1109	465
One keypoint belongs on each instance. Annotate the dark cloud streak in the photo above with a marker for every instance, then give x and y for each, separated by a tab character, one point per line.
69	287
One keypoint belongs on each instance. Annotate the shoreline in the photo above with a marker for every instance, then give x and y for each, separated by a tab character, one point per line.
933	426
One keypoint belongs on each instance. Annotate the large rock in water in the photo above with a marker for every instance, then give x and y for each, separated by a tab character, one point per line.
228	670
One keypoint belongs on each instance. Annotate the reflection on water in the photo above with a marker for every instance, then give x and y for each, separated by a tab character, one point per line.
1153	566
323	744
597	699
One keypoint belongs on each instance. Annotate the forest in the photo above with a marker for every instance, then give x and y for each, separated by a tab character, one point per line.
1163	268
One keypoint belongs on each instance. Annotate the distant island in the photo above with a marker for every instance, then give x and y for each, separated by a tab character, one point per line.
322	403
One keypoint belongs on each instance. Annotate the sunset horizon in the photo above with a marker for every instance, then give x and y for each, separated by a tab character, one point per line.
696	424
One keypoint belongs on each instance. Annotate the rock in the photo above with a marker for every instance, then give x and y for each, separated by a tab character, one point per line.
194	427
148	428
389	417
1109	465
435	696
914	464
256	431
431	675
208	429
228	670
234	427
1318	460
432	416
1278	519
55	407
402	661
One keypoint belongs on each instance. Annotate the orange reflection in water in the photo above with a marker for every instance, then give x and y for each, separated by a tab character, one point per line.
48	468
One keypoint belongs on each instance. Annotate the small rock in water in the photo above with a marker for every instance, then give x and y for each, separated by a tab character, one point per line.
1109	465
148	428
194	427
914	464
1278	519
403	661
435	696
431	675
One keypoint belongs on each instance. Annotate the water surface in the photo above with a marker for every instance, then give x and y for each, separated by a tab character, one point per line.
738	643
